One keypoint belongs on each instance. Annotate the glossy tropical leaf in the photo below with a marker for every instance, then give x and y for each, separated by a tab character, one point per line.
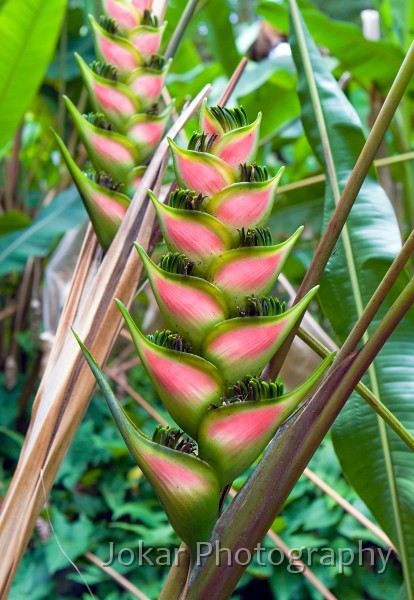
263	82
221	35
64	212
28	32
367	60
374	459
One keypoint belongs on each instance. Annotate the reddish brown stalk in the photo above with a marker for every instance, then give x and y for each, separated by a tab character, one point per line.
349	195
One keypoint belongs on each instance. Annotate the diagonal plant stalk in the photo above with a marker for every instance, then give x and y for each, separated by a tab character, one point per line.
382	411
247	519
234	79
315	179
67	384
319	413
306	572
177	574
181	27
349	508
361	326
365	314
311	577
348	197
321	350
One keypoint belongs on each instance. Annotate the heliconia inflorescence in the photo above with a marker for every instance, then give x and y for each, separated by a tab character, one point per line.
129	119
212	289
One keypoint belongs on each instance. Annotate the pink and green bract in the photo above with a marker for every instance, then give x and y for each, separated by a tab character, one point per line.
211	288
128	120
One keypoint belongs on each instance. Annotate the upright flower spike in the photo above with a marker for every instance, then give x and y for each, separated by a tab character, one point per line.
249	270
120	137
187	487
223	261
190	305
201	172
106	207
245	204
198	235
248	343
232	436
186	383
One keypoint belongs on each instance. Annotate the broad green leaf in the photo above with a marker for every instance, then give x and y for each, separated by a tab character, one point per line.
374	459
64	212
28	33
367	60
220	30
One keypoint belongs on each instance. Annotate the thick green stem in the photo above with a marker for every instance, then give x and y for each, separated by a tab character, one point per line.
248	518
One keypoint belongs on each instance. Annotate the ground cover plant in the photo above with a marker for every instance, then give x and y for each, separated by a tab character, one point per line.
196	170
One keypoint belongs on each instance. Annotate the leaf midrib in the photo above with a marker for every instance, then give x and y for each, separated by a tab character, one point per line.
355	286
